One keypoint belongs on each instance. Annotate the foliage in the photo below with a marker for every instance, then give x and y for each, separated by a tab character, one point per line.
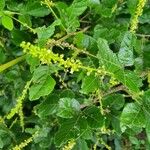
74	74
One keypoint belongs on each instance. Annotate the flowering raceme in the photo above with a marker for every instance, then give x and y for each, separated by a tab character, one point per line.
138	12
47	56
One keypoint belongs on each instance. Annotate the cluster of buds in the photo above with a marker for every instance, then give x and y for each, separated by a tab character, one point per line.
69	145
48	57
47	3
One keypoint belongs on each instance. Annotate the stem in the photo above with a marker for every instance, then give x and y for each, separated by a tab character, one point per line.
11	63
24	24
54	14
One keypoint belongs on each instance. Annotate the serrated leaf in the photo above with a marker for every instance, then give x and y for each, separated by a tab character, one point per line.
94	117
34	8
125	53
48	106
75	128
43	83
89	84
68	107
107	57
45	33
113	101
7	22
132	116
43	88
69	14
109	60
39	73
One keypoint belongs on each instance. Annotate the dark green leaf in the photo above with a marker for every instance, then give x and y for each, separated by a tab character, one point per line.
94	117
75	128
114	101
2	56
68	107
48	106
67	93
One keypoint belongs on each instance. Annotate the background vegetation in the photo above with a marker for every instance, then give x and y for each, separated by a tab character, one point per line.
74	74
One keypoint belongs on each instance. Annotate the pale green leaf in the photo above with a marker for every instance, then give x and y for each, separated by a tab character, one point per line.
7	22
125	53
132	116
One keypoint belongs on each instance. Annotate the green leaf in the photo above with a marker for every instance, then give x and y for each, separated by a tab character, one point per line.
18	36
94	117
2	4
89	84
132	116
75	127
39	73
132	5
1	143
45	33
146	109
34	8
81	145
109	60
67	93
26	19
114	101
7	22
2	56
69	15
146	56
43	83
48	106
68	107
125	53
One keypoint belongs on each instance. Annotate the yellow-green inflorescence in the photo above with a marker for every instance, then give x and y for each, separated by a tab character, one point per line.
47	56
25	142
137	14
18	108
69	145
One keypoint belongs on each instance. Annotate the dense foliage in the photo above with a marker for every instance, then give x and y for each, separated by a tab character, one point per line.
74	74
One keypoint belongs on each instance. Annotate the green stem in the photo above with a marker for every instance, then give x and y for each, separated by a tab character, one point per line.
54	14
11	63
